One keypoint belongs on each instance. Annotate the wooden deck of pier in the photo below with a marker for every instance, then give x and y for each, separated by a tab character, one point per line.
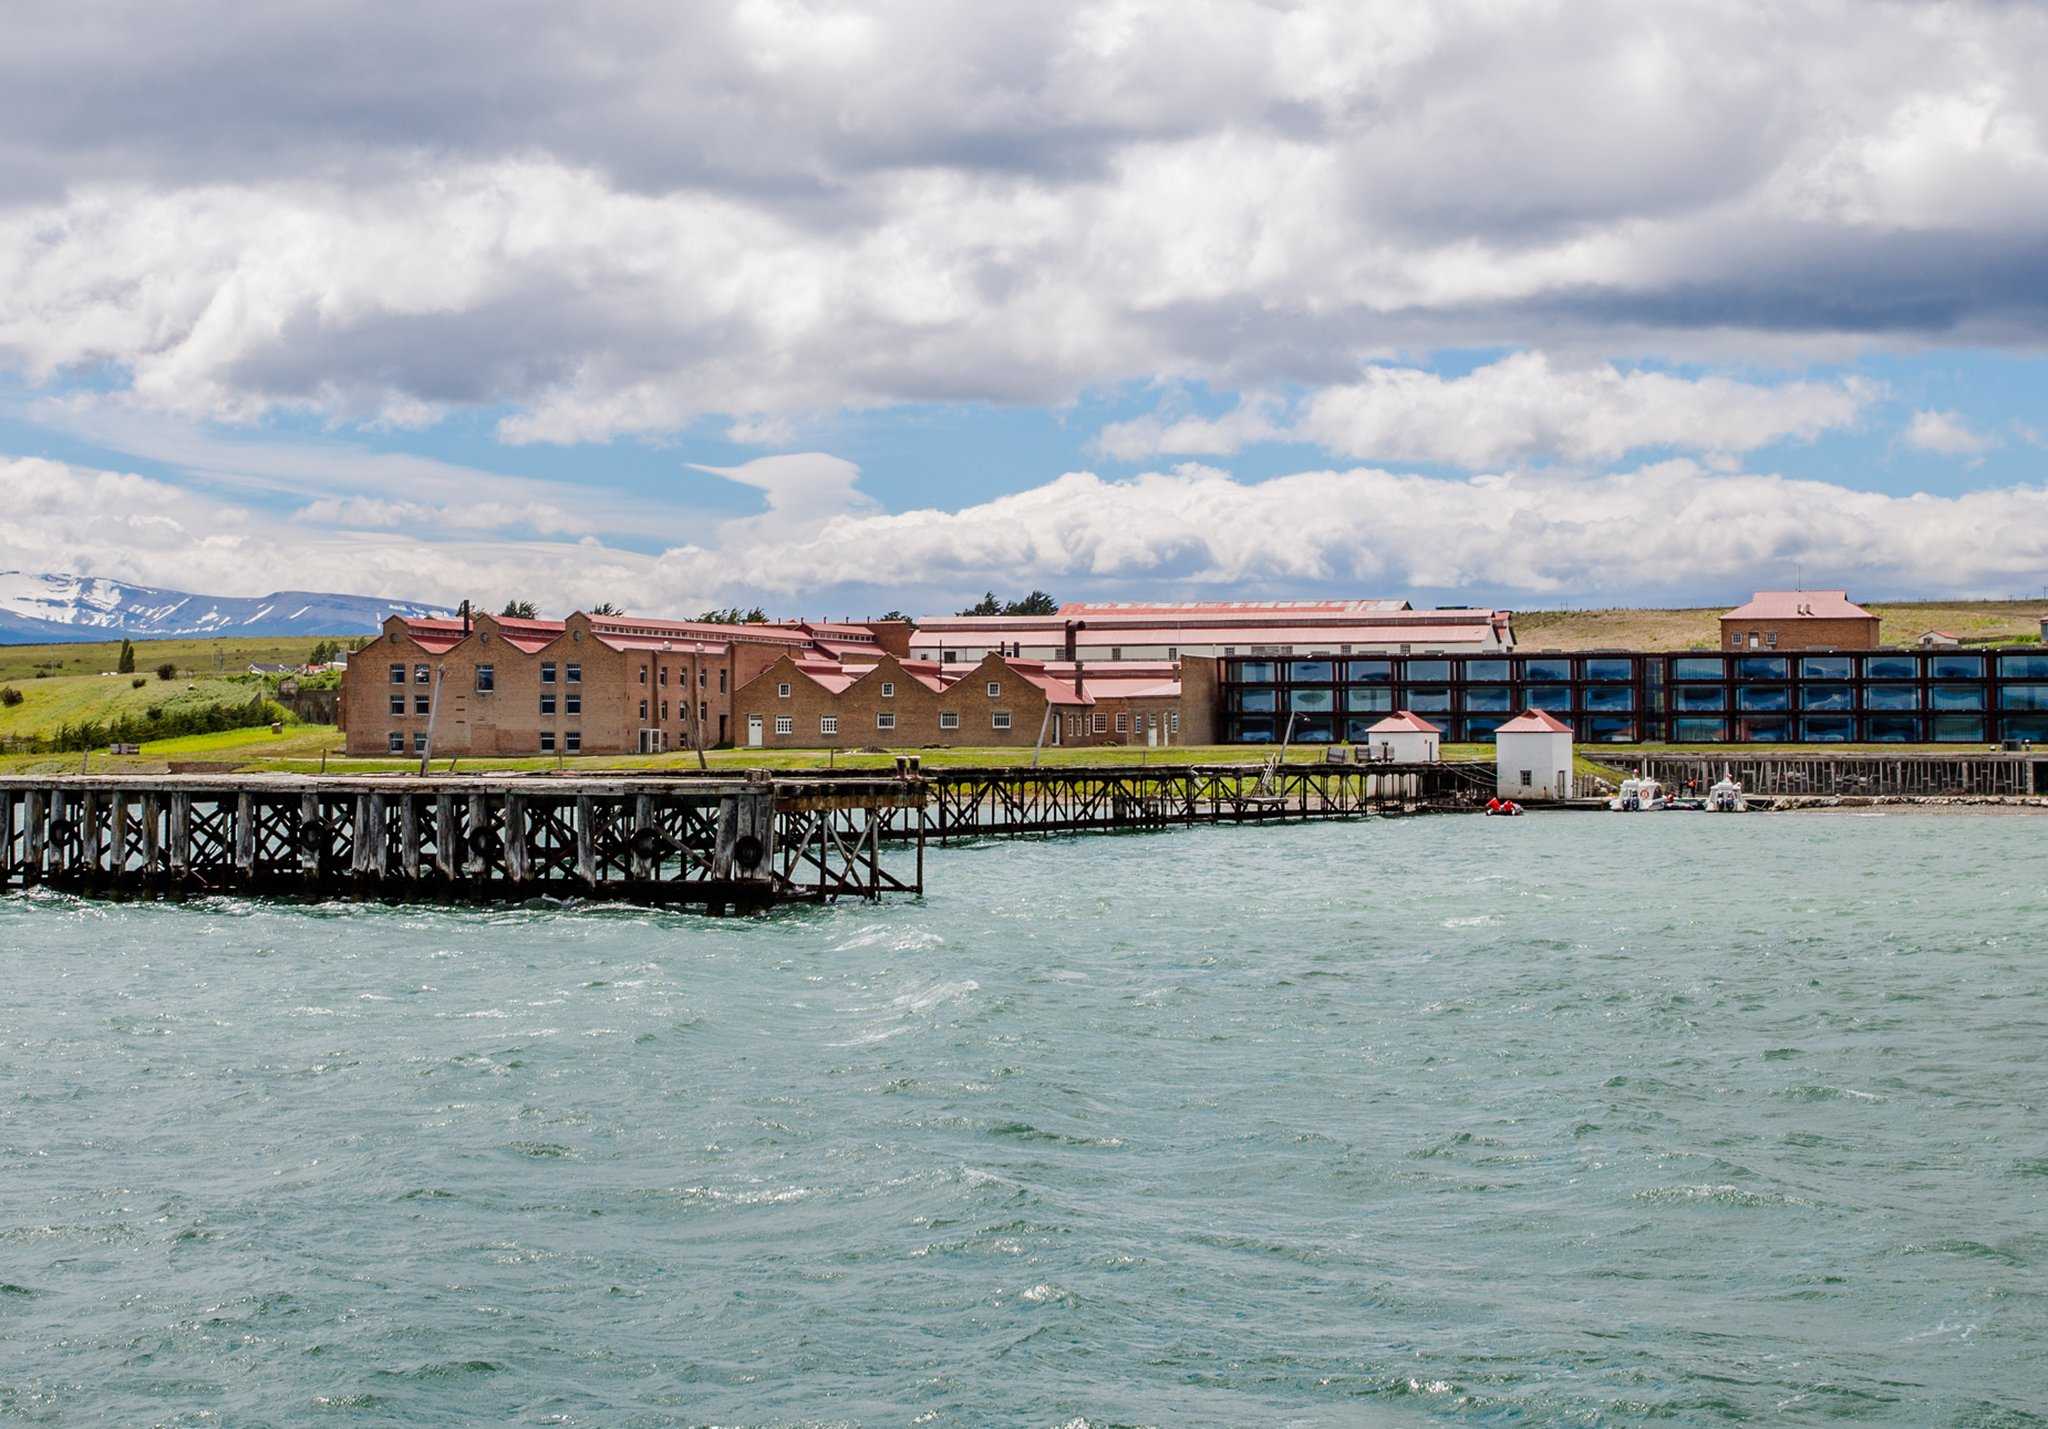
716	843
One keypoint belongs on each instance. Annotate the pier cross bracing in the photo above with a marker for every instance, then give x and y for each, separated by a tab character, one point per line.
717	843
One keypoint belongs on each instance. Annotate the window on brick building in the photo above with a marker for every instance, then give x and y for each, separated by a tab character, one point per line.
422	675
1123	723
398	674
721	679
547	741
888	690
486	679
398	705
995	690
419	744
396	744
828	724
1173	723
547	672
572	741
703	710
547	703
886	719
782	691
949	719
703	677
999	719
643	674
785	724
664	711
422	705
1102	724
643	711
664	675
572	703
572	674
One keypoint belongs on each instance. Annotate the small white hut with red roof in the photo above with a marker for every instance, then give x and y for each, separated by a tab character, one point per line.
1533	757
1405	737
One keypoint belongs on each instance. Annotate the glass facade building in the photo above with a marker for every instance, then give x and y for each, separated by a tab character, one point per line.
1867	697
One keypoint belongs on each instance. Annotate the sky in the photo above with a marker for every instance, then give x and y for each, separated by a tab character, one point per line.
842	308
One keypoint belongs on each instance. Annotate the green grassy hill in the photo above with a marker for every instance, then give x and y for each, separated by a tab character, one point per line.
49	703
229	655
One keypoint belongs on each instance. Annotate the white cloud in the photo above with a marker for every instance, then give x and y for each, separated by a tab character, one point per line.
910	202
1947	434
1522	408
1675	527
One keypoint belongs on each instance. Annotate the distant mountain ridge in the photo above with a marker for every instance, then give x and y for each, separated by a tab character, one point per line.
51	606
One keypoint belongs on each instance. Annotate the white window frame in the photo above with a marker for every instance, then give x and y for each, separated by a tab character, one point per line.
422	675
547	741
547	672
995	690
396	742
572	742
785	724
999	719
888	689
828	724
885	719
1123	723
782	690
398	674
398	706
949	719
572	674
1101	723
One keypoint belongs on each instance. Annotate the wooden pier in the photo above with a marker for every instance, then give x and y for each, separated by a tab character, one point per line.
719	843
1966	772
716	843
1007	801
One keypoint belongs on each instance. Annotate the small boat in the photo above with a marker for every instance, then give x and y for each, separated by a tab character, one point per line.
1637	796
1502	808
1726	797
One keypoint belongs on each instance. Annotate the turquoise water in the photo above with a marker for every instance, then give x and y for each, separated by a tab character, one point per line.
1560	1120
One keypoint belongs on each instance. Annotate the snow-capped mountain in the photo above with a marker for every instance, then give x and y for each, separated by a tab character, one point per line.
37	606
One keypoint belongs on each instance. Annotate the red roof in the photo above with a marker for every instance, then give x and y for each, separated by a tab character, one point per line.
1402	722
1534	722
1799	605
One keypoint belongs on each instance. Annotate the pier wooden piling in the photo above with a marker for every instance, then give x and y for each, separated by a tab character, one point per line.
720	844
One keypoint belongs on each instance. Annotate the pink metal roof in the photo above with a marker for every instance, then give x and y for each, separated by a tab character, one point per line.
1321	636
1534	722
1081	609
1798	604
1402	721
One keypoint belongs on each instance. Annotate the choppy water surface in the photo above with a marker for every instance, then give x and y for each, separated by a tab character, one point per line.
1557	1120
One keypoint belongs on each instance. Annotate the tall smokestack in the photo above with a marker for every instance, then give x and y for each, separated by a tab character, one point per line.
465	617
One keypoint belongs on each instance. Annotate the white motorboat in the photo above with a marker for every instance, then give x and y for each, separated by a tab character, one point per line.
1726	797
1638	796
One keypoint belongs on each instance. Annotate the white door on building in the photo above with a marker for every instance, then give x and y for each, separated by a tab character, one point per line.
753	731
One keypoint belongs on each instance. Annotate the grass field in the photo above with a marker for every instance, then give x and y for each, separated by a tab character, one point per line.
69	699
1899	623
230	655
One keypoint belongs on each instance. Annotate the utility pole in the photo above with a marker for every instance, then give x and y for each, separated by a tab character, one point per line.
433	717
696	723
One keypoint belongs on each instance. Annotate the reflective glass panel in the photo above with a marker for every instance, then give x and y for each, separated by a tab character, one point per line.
1607	669
1765	730
1258	701
1958	729
2023	697
1545	670
1255	672
1253	730
1699	697
1891	667
1891	697
1359	731
1555	698
1479	729
1826	667
1607	729
1311	672
1381	699
1313	700
1956	697
1773	698
2025	667
1762	667
1827	729
1431	699
1694	728
1957	667
1315	729
1489	699
1893	729
1429	670
1610	697
1827	697
2034	727
1482	670
1696	667
1373	670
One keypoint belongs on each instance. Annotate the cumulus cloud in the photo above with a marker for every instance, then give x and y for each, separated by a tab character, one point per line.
1522	408
1947	434
773	208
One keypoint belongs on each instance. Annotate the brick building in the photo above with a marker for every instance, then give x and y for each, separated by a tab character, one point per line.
809	702
1799	620
584	685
